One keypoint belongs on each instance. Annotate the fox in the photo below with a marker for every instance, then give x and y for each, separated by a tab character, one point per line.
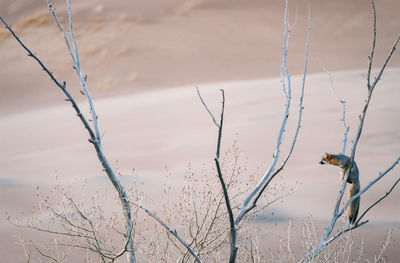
343	162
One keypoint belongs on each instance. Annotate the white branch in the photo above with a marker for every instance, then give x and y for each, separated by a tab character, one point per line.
270	173
287	93
94	134
337	213
363	190
343	102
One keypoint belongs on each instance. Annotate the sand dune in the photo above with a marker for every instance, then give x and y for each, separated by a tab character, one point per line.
131	47
169	127
144	60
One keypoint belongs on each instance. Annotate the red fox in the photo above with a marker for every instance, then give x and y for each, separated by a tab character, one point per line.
343	162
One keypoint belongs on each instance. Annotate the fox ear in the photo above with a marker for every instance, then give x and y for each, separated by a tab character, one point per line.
323	159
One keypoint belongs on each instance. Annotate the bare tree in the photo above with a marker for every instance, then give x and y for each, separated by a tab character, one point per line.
95	139
338	212
91	124
250	201
195	244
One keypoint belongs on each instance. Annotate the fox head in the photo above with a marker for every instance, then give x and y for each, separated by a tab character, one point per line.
326	158
334	159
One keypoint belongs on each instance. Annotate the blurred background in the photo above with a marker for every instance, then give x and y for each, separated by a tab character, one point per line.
144	59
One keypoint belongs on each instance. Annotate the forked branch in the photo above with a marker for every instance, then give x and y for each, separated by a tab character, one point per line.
258	190
337	211
233	226
94	134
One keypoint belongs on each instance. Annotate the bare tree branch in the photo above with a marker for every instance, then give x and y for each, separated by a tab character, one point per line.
369	185
379	200
337	213
45	255
347	229
206	107
94	133
378	77
371	57
271	173
171	231
233	226
343	102
358	224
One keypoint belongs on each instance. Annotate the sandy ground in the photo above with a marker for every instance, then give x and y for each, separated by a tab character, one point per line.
144	60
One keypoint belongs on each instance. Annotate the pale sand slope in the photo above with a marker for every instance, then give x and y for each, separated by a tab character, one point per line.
131	46
136	46
169	127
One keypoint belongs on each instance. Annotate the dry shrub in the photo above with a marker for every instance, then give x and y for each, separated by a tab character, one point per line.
78	223
344	249
72	223
200	217
75	221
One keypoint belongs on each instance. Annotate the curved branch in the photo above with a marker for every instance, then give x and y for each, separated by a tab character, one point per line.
370	87
271	173
287	93
94	134
206	107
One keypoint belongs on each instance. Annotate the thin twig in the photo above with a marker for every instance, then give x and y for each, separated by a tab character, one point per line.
82	79
205	106
378	201
343	102
369	185
170	230
371	57
44	254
